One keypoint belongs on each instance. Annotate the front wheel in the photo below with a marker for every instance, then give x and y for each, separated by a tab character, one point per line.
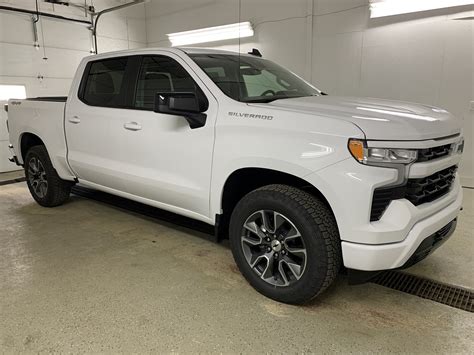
46	187
286	243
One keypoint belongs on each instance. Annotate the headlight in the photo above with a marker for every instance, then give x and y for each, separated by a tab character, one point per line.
376	156
459	148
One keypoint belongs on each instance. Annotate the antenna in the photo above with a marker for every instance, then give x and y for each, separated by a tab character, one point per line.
238	69
255	52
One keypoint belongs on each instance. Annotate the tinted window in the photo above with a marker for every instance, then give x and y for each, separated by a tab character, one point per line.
104	83
161	74
252	79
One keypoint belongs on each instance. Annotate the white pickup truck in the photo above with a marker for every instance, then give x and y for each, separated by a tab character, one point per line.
302	183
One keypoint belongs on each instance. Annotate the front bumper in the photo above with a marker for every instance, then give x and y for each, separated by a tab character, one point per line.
427	246
430	244
403	254
391	241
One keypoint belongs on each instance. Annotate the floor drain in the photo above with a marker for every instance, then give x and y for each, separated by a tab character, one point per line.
452	296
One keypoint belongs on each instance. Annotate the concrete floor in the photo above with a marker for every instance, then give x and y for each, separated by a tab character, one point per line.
88	277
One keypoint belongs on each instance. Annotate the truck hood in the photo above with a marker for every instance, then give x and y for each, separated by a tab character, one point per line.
378	118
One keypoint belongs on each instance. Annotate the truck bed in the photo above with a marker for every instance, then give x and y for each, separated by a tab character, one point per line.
42	117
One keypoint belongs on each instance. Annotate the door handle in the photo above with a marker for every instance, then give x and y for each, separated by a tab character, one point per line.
132	126
74	119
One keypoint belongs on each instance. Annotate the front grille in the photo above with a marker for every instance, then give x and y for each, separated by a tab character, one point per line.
433	153
430	188
417	191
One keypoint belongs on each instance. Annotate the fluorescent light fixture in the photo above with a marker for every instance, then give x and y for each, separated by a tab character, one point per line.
211	34
381	8
8	92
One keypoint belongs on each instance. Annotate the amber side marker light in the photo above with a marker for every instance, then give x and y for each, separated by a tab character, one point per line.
356	147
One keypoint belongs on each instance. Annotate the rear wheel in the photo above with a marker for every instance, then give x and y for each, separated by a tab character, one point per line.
46	187
286	243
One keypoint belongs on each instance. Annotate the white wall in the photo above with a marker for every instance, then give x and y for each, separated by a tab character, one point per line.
425	58
65	43
280	26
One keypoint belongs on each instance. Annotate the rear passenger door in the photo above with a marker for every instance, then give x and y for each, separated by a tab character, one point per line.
93	120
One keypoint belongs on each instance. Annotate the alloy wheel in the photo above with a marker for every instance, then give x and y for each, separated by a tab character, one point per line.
37	177
274	248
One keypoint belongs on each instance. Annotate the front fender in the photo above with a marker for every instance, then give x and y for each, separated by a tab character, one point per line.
292	143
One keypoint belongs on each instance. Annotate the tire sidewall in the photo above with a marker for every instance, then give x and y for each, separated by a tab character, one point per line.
317	257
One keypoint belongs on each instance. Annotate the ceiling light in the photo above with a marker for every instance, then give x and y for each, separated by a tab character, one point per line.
211	34
381	8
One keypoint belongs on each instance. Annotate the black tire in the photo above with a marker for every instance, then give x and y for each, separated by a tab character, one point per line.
319	236
53	190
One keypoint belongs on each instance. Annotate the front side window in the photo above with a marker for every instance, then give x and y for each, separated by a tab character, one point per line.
161	74
252	79
104	84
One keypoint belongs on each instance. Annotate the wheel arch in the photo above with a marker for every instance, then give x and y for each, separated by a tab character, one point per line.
28	140
244	180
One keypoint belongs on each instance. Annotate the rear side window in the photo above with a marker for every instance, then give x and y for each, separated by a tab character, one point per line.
161	74
104	83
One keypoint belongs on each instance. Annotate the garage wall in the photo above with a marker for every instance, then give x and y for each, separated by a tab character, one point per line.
66	43
280	26
332	43
335	45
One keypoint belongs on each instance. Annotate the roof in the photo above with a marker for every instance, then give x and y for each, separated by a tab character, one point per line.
195	50
176	50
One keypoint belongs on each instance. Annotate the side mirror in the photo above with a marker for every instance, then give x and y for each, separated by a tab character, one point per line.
185	104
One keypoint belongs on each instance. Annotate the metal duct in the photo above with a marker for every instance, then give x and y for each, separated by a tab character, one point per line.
103	12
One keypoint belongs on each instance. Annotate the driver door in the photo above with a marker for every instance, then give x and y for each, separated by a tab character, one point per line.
161	158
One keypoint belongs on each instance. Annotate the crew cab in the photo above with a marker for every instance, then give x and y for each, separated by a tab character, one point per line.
302	183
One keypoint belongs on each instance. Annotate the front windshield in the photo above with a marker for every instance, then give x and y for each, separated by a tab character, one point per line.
258	80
